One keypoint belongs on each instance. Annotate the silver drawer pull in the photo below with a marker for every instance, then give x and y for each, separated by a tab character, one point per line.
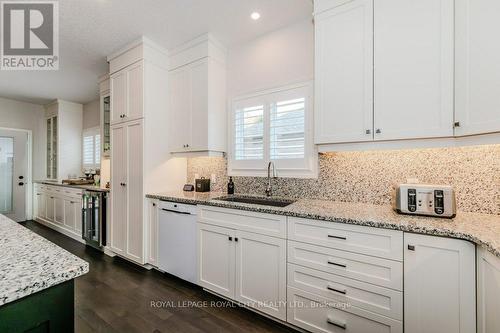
337	237
337	264
343	291
336	323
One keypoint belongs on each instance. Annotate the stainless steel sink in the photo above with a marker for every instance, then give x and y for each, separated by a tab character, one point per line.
258	201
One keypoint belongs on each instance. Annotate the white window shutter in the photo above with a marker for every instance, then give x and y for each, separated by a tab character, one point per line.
249	133
287	128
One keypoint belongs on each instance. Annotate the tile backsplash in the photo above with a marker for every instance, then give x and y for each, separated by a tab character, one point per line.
370	176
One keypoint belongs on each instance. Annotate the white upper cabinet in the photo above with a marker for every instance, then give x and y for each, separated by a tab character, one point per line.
127	94
344	73
401	69
413	75
477	70
439	285
197	98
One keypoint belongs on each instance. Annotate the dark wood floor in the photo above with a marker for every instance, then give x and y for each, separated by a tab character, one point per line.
116	296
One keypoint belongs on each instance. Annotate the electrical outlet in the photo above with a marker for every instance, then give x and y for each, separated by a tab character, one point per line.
213	179
196	176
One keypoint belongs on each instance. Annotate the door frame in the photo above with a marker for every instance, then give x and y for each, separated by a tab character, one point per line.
29	170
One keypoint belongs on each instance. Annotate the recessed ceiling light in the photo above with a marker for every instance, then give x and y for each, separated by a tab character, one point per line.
255	16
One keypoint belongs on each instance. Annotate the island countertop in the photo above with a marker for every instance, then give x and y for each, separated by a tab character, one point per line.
29	263
482	229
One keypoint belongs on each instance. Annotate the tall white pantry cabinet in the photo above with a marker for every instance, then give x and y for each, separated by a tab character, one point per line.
140	161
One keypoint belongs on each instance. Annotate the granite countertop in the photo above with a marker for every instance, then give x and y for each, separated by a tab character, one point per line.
482	229
29	263
83	187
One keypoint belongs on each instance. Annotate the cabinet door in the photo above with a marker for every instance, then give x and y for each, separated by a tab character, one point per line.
135	92
414	56
50	207
41	205
261	273
69	214
344	73
77	206
488	288
119	98
216	265
439	285
59	210
199	106
135	192
180	109
477	67
119	198
153	232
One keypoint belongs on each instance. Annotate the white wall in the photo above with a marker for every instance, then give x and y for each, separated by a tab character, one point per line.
91	114
21	115
279	58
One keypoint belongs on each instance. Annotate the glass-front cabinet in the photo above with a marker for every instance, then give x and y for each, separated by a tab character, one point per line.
106	123
52	130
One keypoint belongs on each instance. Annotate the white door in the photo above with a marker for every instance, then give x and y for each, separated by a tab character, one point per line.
439	285
119	198
180	109
133	186
477	67
216	265
261	273
199	107
135	91
344	73
70	214
119	98
488	288
13	173
59	210
413	74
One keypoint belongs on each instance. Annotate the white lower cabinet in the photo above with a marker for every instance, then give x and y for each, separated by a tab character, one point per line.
247	267
59	208
261	273
488	292
440	286
153	232
216	264
320	276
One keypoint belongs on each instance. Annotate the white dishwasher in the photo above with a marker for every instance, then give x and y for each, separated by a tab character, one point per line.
177	245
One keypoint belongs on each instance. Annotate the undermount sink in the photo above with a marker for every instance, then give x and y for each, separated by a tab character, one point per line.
258	201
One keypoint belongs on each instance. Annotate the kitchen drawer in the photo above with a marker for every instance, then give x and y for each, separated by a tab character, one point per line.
383	301
318	314
381	272
266	224
75	192
376	242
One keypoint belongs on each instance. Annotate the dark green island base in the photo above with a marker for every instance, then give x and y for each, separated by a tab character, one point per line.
50	310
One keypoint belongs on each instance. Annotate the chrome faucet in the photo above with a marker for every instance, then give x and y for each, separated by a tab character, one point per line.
269	188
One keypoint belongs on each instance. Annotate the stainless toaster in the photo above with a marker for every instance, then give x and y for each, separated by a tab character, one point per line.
425	199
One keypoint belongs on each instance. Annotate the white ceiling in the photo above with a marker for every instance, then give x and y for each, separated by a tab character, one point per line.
92	29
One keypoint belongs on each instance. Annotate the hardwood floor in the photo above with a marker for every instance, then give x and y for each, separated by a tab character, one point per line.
116	296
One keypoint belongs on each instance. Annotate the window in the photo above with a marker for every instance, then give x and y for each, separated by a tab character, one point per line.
274	125
91	148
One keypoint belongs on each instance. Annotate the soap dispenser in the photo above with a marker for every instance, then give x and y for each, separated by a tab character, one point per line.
230	186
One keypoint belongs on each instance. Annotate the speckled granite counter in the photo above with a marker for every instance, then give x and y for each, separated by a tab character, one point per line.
482	229
29	263
83	187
